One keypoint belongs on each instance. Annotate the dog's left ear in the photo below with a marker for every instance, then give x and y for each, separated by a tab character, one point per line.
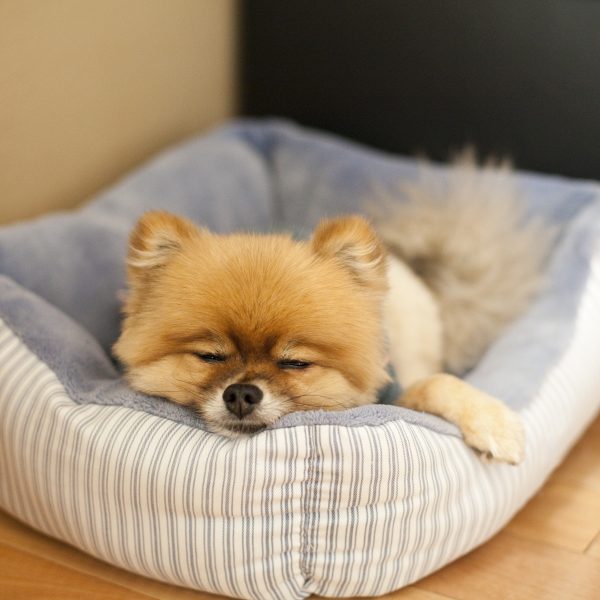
156	238
354	244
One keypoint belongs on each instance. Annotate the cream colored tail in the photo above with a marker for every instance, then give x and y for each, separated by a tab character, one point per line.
467	236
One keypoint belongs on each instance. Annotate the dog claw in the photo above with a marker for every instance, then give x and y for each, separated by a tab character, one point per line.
497	434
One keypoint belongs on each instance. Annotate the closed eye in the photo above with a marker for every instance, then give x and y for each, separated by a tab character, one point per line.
293	364
211	358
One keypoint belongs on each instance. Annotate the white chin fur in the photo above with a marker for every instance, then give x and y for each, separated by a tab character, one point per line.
220	420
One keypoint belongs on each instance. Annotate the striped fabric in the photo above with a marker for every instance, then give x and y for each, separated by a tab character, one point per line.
327	509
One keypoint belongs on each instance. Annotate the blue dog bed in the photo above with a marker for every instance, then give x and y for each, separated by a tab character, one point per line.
359	502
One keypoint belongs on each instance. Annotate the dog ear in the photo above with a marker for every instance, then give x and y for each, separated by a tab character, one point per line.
156	238
354	244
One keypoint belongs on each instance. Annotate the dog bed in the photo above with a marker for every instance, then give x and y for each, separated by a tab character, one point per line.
353	503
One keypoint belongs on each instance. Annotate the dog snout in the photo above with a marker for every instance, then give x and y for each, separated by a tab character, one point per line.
241	398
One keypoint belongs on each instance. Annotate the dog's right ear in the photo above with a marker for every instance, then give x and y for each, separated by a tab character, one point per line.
156	238
353	243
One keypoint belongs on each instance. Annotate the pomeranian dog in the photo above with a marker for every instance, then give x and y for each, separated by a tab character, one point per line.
246	328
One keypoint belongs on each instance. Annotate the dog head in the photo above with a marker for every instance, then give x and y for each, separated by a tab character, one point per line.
246	328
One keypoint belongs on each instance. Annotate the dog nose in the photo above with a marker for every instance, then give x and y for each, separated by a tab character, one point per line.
241	398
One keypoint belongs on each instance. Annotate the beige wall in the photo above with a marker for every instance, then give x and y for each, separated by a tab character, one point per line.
89	88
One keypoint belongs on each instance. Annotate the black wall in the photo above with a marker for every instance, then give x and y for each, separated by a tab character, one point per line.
517	77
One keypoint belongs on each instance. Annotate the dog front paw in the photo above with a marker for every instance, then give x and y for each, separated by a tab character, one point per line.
496	432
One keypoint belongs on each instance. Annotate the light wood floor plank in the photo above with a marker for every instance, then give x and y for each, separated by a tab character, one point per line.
593	549
582	465
511	567
562	514
408	593
30	577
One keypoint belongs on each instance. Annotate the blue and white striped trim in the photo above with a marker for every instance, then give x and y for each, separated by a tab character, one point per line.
327	509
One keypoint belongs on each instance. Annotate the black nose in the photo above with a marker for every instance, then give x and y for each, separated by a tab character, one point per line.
241	398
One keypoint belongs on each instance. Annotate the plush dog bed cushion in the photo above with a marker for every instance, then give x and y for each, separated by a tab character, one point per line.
358	502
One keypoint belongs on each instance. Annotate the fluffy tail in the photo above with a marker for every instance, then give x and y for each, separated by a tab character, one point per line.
468	237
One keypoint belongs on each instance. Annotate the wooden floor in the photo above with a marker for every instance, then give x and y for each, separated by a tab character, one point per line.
551	550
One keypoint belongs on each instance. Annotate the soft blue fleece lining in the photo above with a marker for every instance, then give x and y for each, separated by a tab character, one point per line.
61	274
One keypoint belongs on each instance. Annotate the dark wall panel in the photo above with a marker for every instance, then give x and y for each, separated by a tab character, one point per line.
518	77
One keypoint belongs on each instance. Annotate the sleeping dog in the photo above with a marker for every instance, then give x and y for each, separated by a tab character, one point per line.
245	328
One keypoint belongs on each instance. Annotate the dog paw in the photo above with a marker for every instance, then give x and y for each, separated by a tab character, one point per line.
497	433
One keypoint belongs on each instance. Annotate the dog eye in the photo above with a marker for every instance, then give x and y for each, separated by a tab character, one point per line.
211	358
293	364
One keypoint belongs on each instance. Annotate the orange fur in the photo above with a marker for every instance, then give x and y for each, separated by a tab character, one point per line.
209	312
256	300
